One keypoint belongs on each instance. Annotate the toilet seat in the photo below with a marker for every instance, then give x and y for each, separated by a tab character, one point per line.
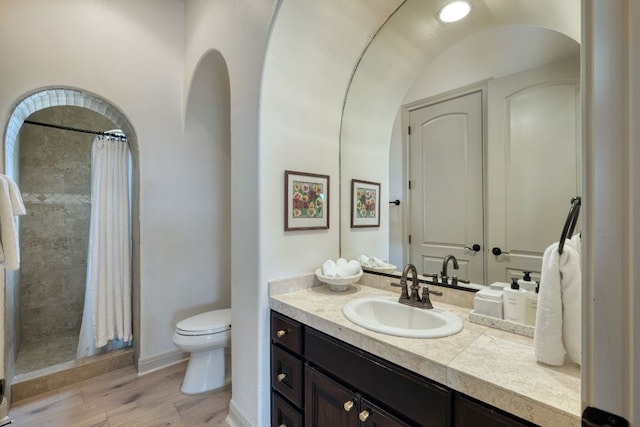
211	322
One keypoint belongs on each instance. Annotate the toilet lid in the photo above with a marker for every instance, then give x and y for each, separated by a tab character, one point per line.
210	322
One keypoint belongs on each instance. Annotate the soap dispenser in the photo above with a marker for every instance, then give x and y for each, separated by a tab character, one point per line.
514	302
531	305
526	283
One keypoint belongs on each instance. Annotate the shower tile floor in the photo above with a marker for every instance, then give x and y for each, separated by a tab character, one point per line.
40	353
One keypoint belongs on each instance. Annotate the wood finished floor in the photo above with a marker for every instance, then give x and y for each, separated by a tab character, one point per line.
121	398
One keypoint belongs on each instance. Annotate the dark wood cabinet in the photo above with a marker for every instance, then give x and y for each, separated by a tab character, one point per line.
471	413
320	381
283	414
287	373
328	403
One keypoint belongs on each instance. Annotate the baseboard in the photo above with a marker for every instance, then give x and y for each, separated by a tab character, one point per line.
160	361
235	417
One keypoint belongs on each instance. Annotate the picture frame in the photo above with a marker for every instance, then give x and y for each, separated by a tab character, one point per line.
306	201
365	203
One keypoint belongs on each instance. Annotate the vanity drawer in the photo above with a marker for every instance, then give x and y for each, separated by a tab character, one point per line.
286	375
421	401
283	414
286	332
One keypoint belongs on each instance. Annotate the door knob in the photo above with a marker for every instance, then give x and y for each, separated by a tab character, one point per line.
348	405
497	251
363	415
475	248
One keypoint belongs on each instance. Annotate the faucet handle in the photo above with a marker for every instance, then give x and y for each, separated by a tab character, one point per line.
436	293
403	293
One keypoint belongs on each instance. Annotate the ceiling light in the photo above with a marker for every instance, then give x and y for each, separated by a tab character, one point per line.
454	11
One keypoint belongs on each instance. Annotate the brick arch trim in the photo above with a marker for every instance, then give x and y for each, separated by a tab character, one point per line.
53	97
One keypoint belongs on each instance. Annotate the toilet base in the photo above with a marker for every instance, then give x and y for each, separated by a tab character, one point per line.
205	372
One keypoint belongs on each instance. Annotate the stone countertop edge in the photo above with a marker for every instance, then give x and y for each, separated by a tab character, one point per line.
490	365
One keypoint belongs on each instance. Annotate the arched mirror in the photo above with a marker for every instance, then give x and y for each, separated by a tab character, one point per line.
493	154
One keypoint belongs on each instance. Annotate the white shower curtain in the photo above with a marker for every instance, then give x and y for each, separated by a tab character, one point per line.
107	305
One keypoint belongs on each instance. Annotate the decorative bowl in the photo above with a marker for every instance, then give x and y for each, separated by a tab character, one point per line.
389	268
338	284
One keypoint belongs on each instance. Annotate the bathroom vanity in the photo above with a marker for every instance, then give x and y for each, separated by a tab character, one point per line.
326	370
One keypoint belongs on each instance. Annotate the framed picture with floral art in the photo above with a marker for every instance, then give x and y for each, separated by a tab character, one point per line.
365	204
306	201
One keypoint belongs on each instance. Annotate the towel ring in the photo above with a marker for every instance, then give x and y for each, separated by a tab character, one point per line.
570	223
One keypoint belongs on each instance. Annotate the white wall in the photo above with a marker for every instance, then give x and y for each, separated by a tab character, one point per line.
132	54
237	30
207	149
142	78
313	50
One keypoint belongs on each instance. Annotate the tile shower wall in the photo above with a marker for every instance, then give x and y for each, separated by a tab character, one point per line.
55	180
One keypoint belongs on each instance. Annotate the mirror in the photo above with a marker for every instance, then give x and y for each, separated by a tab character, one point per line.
415	61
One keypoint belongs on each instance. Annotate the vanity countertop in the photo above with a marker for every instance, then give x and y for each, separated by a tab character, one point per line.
493	366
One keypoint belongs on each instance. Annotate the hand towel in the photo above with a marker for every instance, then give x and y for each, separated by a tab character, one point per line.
558	327
10	250
17	206
576	243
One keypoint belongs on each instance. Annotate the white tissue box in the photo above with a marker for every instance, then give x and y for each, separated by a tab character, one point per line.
488	302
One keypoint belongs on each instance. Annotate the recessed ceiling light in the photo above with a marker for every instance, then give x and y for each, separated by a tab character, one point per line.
454	11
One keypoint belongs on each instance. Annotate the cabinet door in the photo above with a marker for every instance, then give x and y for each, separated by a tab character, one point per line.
469	413
371	415
327	403
283	414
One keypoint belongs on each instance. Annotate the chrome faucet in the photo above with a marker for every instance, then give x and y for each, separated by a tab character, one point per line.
414	299
445	262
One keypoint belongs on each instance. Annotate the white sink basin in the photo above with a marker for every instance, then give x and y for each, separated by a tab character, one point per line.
386	315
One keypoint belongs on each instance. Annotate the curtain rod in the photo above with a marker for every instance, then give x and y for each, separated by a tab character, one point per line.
50	125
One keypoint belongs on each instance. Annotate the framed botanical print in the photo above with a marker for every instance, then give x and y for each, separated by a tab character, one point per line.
306	203
365	204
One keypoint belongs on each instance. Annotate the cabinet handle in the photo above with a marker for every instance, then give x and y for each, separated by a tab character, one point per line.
281	377
363	415
281	333
282	425
348	405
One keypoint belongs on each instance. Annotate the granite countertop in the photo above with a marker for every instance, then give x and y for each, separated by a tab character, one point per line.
491	365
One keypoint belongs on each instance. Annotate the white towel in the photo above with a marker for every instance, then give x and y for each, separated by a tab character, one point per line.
558	319
576	243
351	269
329	268
363	260
10	205
372	262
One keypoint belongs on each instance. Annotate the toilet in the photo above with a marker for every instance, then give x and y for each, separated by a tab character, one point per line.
205	336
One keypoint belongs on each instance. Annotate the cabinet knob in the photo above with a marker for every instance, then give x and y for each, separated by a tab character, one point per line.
348	405
282	425
281	377
281	333
363	415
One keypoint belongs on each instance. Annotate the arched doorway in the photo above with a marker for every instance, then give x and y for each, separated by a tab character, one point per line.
90	105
